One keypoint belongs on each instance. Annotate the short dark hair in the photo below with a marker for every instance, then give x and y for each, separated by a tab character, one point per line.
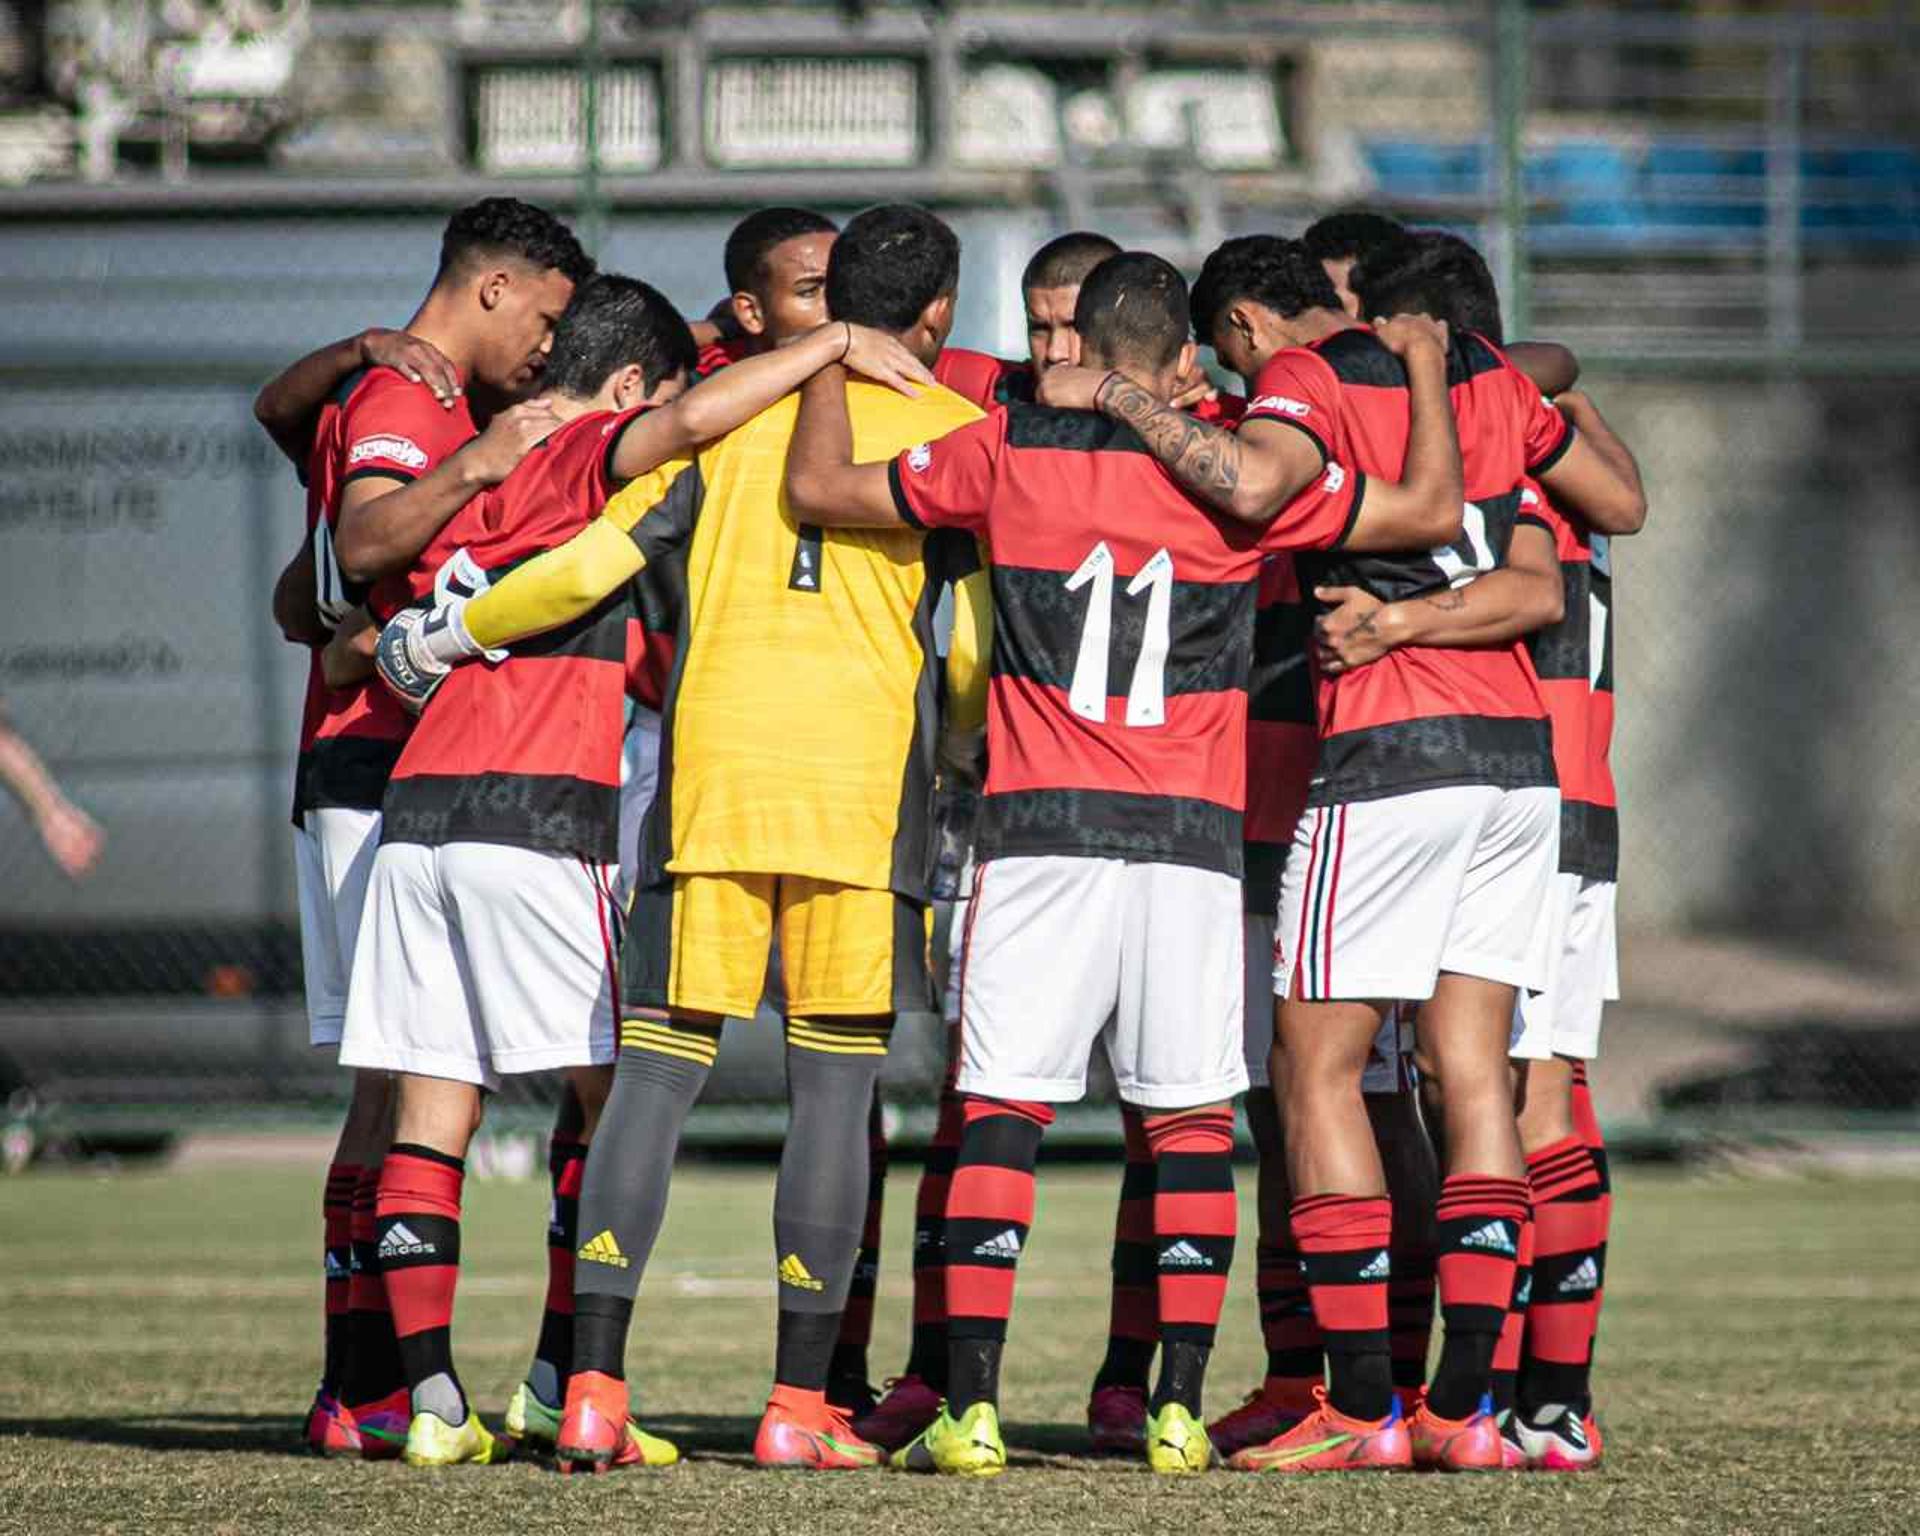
1352	233
889	264
611	323
755	236
1133	309
1281	274
505	226
1431	272
1065	260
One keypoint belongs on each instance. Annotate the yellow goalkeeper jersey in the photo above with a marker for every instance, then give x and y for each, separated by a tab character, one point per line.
801	713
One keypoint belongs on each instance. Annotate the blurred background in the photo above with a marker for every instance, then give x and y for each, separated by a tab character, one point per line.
1716	204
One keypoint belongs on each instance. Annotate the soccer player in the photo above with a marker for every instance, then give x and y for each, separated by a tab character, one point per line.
1434	804
382	426
1106	903
1557	1030
776	266
798	767
1338	240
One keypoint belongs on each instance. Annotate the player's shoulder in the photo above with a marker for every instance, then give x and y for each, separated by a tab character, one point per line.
929	414
1049	426
1355	356
1471	356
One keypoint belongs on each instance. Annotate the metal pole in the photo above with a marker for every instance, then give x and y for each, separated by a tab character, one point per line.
1785	100
1511	46
593	205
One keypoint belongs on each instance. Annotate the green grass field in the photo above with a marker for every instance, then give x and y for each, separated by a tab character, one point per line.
158	1340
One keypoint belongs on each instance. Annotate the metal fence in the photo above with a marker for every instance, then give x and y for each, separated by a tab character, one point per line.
1719	209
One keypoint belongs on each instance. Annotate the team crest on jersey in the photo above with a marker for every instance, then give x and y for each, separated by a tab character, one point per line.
1280	403
388	445
919	457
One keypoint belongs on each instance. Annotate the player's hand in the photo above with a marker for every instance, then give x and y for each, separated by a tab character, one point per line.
1405	335
73	839
1070	387
417	650
1351	632
1191	388
509	438
420	361
876	355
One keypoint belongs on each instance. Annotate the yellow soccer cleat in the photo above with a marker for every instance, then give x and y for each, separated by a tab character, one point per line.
969	1446
433	1442
1177	1443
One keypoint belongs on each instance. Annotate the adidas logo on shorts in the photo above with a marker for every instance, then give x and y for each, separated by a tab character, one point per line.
1005	1245
1585	1278
1378	1268
1494	1237
1183	1255
402	1242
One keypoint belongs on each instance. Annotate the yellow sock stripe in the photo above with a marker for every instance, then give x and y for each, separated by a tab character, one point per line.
688	1042
812	1035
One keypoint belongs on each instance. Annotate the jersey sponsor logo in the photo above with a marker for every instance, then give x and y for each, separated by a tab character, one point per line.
388	445
1284	404
919	457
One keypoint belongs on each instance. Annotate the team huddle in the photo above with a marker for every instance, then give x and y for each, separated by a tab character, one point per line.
1276	728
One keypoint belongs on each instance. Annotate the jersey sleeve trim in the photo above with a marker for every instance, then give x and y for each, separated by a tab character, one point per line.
668	523
1298	426
1554	454
1353	512
378	472
614	439
900	502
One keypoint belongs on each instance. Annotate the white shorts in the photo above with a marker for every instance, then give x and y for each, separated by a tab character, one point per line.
1380	896
478	959
333	851
1060	952
639	778
1389	1063
1584	975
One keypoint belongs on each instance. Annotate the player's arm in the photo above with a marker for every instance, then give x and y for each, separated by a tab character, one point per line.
71	838
385	522
1597	476
294	609
824	486
289	403
1425	506
737	393
347	657
1523	595
1552	367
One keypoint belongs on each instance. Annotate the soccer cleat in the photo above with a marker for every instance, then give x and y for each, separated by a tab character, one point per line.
1117	1420
1255	1422
531	1422
1471	1444
433	1442
1557	1439
826	1444
330	1428
969	1446
1177	1445
1326	1440
908	1407
1513	1455
382	1425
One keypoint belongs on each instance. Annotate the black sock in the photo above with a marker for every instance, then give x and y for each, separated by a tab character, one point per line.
973	1373
1183	1374
1460	1379
803	1344
600	1325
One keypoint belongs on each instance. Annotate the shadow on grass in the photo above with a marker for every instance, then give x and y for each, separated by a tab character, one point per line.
269	1434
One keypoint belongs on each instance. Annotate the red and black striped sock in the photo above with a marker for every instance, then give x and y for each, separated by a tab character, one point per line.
1566	1213
336	1264
1195	1220
1480	1218
1296	1360
553	1355
927	1358
1513	1329
1587	1124
419	1224
1343	1250
1133	1319
1410	1316
373	1369
848	1368
989	1212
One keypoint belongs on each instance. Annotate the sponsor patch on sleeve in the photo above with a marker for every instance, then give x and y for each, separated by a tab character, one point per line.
919	457
1281	404
390	447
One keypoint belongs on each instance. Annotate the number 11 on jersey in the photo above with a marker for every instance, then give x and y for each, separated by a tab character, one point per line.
1147	693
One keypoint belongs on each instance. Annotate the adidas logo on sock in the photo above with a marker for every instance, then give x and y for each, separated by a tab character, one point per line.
336	1267
1379	1268
794	1273
1183	1255
1005	1245
1525	1294
1494	1235
604	1250
1585	1278
401	1241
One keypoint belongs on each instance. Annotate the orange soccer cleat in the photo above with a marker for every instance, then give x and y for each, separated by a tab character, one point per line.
1326	1440
1471	1444
801	1429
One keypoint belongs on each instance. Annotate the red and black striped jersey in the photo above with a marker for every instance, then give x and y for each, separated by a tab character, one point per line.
526	751
990	382
377	423
1123	629
716	354
1283	741
1574	659
1422	717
